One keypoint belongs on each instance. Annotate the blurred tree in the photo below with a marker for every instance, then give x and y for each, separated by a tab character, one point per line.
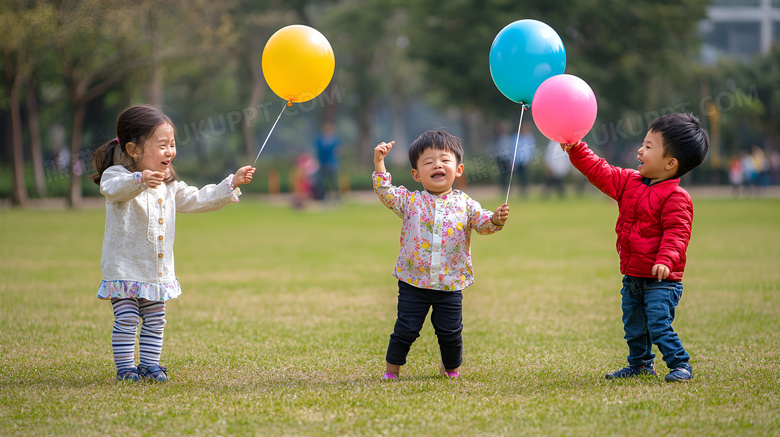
631	52
370	42
637	55
25	25
98	43
759	81
453	39
254	23
102	41
746	97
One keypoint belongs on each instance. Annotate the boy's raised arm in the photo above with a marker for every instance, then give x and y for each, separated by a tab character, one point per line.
609	179
380	152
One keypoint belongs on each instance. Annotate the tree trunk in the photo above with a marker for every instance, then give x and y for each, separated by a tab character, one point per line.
18	190
76	169
35	141
258	92
154	92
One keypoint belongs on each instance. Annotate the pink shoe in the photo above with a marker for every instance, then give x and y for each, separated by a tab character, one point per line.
389	376
451	375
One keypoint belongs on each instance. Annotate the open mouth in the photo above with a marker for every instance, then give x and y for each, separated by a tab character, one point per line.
438	175
641	163
166	163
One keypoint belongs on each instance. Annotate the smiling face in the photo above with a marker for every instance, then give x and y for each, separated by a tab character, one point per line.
159	150
652	163
436	170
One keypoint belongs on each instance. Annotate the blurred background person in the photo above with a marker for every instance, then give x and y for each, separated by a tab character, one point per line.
505	151
327	145
558	166
303	180
736	177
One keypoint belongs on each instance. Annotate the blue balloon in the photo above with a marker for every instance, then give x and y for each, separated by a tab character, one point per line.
523	55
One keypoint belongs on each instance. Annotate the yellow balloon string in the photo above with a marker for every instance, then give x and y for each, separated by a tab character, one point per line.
269	133
517	140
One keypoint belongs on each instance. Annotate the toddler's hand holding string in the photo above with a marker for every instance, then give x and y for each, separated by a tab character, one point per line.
501	215
243	175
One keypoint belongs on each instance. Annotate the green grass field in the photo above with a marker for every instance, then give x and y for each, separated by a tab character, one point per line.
285	317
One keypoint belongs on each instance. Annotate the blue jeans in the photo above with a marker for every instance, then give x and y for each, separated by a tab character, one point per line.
648	313
446	318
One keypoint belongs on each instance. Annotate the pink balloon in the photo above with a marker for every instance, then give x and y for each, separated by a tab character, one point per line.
564	108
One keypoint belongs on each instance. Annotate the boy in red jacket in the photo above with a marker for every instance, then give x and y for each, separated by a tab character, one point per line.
653	229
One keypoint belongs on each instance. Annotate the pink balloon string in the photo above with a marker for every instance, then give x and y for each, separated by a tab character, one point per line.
514	156
269	133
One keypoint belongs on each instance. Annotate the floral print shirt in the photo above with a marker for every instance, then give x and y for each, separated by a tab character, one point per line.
435	236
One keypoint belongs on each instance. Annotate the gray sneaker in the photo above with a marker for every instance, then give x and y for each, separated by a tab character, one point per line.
647	368
682	373
129	375
153	373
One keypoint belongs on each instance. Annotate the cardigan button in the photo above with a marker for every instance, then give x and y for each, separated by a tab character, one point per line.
160	221
159	255
159	200
160	237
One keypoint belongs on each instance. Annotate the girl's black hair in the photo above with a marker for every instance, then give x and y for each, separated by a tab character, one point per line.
134	125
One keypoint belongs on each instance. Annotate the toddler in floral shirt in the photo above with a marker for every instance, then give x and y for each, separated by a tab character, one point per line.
434	263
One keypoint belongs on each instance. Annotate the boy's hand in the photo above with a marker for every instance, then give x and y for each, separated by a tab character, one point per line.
660	271
243	175
152	179
566	147
501	215
380	152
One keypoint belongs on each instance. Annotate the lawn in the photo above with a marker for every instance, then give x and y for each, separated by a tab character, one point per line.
285	318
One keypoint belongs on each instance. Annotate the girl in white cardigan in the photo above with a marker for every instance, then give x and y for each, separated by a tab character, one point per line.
142	198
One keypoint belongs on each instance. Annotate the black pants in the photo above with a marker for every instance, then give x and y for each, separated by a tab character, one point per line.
446	317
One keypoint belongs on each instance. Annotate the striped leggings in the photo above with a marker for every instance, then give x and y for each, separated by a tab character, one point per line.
127	313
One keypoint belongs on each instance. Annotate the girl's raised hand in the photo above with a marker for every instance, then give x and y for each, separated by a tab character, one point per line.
152	179
243	175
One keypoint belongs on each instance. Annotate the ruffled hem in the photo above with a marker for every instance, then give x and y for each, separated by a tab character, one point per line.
138	290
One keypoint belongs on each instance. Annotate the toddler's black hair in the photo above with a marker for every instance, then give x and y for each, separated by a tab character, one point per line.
436	139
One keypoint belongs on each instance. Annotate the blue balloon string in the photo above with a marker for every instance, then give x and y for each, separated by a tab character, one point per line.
514	156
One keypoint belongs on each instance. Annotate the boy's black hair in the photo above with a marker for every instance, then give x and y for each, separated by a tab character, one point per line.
436	139
684	139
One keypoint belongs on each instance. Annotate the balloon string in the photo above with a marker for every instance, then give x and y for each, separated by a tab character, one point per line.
512	164
269	134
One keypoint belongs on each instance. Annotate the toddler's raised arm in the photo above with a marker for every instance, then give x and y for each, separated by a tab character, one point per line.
380	152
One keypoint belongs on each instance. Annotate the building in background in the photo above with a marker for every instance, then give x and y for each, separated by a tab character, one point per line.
740	28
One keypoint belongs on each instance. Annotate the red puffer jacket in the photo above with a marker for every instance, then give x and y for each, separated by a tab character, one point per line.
654	224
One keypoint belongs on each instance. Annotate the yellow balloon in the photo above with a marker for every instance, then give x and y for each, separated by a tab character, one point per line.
298	63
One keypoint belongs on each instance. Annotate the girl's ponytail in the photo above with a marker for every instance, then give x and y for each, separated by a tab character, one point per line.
103	158
135	125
